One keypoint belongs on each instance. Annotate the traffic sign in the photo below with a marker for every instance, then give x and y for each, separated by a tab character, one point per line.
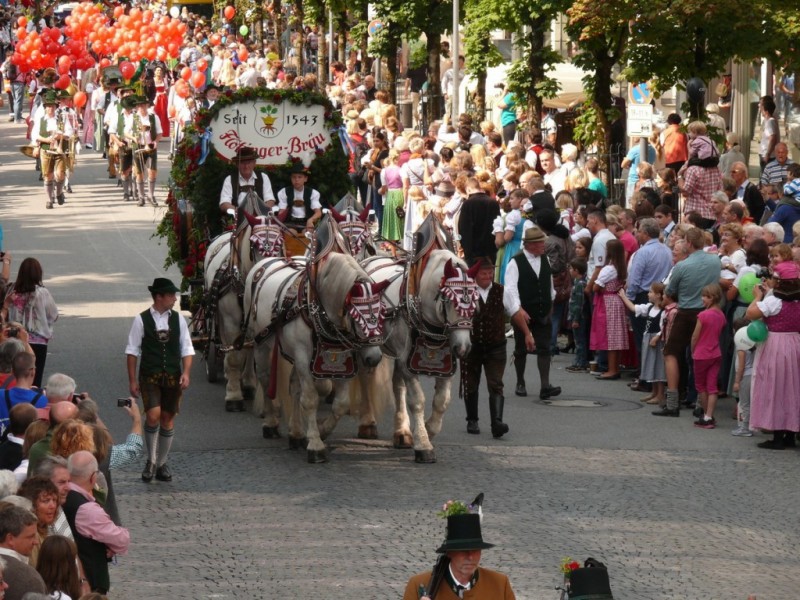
640	120
640	93
374	26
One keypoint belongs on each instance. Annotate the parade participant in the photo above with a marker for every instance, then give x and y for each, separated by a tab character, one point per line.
161	338
463	577
306	208
160	100
488	351
52	133
528	298
211	95
98	538
236	188
145	133
110	111
67	112
118	118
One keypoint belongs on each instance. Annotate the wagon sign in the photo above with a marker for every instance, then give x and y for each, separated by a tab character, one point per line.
278	132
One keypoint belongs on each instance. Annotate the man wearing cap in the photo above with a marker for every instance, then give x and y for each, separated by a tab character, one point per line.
161	338
528	298
143	133
235	188
120	154
463	575
306	208
52	133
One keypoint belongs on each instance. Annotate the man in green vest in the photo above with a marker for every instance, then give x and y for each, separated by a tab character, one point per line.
528	298
161	338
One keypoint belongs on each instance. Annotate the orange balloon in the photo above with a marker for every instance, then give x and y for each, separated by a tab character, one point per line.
186	73
229	12
215	40
79	99
118	11
150	53
198	80
243	54
22	22
182	89
202	64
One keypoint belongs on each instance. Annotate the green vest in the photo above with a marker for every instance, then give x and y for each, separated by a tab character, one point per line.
534	292
43	132
160	357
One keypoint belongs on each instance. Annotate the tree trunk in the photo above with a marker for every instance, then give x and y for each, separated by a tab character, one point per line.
480	95
323	72
536	44
434	106
299	41
603	102
277	17
391	67
363	43
341	44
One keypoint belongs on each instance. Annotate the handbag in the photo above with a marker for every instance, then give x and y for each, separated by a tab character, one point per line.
401	212
563	286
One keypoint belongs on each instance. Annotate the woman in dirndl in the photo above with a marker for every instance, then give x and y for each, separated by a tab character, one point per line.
392	192
609	323
775	384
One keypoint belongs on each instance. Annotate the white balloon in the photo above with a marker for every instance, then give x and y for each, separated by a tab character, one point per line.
742	341
174	12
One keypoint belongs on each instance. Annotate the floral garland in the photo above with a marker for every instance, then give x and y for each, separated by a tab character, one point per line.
192	217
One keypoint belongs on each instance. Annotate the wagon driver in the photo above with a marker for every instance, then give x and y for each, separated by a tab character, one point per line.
236	187
160	338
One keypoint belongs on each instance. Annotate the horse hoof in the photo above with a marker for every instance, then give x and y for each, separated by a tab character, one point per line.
270	433
425	456
402	441
234	406
297	443
249	393
368	432
317	456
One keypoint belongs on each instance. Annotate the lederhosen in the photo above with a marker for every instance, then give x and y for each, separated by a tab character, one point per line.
52	164
147	160
534	295
295	222
488	338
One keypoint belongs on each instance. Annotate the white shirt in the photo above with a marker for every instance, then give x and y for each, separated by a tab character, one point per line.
144	121
511	299
136	335
597	257
298	212
13	554
557	180
226	194
51	126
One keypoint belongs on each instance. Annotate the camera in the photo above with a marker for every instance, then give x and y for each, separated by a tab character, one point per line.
13	332
78	397
122	402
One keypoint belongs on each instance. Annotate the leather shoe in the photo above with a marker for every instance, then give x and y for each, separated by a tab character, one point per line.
234	406
667	412
149	471
472	427
609	377
163	473
549	392
520	390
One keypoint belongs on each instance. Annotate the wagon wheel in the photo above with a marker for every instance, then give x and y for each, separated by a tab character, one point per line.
212	362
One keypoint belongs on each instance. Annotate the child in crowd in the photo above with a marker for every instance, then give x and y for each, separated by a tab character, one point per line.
703	151
577	315
609	330
583	247
579	229
778	254
564	207
707	354
741	382
652	360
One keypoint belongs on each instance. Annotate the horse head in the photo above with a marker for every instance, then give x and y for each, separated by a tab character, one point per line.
456	299
366	310
266	236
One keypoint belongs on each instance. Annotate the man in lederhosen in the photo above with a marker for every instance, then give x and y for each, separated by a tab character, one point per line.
145	132
52	134
161	338
303	202
120	127
235	188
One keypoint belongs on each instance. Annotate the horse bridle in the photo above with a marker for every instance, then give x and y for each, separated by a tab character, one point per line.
461	291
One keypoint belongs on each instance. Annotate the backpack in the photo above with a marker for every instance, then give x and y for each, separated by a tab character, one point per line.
361	150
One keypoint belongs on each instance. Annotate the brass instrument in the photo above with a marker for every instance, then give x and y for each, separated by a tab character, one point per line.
140	131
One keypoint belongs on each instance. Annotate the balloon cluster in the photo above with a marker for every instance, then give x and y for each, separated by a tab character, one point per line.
136	35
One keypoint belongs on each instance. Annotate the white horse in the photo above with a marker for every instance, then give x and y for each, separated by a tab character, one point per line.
429	307
321	317
229	259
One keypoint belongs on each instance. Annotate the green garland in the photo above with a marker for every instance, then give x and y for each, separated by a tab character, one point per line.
197	186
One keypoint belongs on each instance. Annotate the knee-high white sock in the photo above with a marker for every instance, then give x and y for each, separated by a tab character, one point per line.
151	439
165	437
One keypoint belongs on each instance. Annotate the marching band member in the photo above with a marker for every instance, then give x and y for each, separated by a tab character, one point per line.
113	110
52	133
68	113
118	122
145	133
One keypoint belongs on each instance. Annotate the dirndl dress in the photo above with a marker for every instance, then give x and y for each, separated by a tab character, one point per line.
775	383
512	248
609	323
652	362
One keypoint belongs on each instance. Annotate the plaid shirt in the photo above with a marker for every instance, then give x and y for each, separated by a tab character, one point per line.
576	299
699	184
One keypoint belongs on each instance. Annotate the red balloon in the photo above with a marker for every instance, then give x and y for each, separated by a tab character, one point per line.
64	64
243	54
198	80
202	64
104	62
79	99
229	12
182	88
215	40
127	69
22	22
186	73
62	83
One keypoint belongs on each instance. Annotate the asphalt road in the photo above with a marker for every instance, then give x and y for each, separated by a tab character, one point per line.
674	511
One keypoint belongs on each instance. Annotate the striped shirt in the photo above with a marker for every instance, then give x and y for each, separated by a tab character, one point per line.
775	172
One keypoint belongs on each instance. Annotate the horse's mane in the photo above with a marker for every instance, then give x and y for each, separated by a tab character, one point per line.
335	279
